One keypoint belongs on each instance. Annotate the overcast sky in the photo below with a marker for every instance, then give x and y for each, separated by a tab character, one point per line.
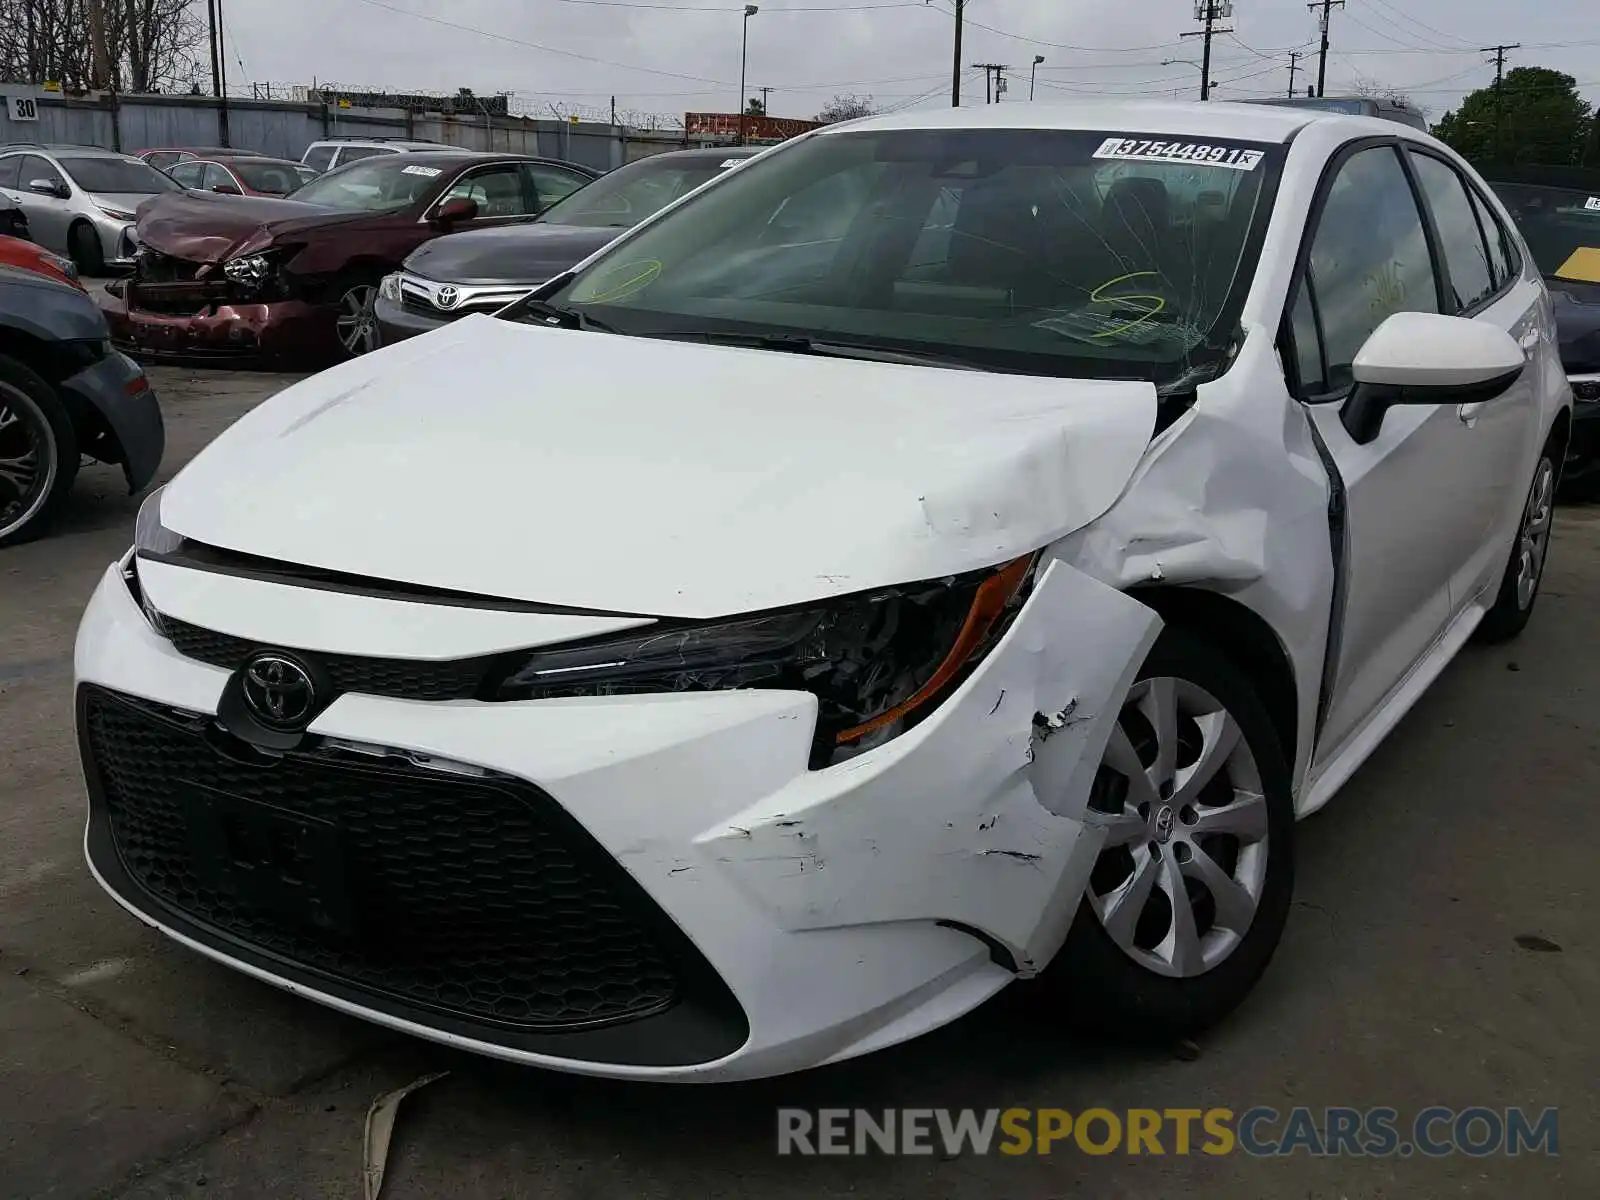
668	56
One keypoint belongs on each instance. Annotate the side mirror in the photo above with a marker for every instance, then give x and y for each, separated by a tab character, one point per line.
459	208
226	189
49	187
1425	358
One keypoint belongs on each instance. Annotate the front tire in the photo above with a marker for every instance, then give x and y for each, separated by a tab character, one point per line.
1190	895
1519	586
83	243
356	322
38	453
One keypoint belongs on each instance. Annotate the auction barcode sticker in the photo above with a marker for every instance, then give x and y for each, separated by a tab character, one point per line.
1593	204
426	172
1207	154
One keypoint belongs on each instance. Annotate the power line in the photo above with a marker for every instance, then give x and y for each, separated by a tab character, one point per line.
1413	20
1035	41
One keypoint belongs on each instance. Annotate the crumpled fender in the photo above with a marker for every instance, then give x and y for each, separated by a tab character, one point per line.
992	789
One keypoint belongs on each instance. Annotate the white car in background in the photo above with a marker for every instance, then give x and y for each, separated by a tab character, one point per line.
952	548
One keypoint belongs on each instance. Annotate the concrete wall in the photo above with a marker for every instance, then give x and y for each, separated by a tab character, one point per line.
282	128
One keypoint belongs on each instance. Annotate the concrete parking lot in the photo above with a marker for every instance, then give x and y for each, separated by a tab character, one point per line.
1443	950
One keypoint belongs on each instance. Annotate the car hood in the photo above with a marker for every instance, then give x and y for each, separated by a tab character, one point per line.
514	254
664	478
1577	312
209	227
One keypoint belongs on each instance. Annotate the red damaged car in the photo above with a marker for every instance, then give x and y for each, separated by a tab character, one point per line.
223	276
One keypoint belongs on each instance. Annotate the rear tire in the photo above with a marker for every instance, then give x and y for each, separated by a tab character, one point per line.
1519	586
84	245
38	453
1228	842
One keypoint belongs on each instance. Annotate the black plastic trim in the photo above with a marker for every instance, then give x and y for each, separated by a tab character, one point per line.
707	1022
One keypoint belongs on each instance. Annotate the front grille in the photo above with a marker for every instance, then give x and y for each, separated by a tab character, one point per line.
402	678
471	896
414	304
151	266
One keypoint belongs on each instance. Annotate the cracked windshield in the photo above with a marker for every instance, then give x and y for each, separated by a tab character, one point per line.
1065	253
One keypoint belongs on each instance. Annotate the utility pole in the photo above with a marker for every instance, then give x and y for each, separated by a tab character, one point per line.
955	68
992	85
1499	53
1210	12
1327	7
613	110
217	90
1294	69
765	92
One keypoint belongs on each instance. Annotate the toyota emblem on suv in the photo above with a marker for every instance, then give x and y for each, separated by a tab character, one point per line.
446	297
278	691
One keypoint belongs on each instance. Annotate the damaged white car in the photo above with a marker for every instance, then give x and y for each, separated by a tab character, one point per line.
949	548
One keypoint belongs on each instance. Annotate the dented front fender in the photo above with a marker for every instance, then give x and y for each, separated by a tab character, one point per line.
974	818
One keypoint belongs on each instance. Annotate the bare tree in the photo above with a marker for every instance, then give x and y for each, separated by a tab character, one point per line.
846	108
1372	89
153	45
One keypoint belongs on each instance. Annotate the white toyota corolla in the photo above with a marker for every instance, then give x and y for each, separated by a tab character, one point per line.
948	548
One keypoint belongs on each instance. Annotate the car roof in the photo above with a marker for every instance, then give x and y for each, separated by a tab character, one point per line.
391	143
58	149
254	159
1247	122
720	153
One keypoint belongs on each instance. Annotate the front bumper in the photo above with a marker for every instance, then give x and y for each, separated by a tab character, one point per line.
396	322
116	388
1580	475
834	912
117	242
283	329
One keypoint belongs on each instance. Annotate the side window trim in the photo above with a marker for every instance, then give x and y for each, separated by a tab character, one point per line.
1502	289
1308	237
1430	230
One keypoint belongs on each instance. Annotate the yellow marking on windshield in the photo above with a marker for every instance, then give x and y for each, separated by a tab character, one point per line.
1582	267
644	272
1095	297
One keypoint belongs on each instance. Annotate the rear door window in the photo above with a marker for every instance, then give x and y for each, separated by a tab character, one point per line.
188	174
1502	259
10	171
319	157
1466	255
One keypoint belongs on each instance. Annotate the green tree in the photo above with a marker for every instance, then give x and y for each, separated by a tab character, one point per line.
1542	119
755	108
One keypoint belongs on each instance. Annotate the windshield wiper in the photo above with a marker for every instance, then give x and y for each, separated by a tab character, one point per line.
542	312
792	343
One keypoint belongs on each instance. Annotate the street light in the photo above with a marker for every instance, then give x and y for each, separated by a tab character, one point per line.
750	10
1168	62
1033	75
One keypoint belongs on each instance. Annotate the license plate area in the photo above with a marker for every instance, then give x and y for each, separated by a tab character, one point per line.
278	862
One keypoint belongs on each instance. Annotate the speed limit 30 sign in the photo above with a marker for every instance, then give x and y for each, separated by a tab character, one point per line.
23	108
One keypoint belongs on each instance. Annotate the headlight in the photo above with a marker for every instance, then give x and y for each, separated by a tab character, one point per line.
150	536
877	662
116	214
251	270
389	287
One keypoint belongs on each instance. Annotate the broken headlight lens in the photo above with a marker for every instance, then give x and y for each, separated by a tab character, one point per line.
877	662
251	270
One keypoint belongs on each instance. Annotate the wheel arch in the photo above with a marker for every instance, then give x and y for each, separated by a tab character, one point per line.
1245	637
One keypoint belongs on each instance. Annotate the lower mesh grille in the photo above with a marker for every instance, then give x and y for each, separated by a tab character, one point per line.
471	896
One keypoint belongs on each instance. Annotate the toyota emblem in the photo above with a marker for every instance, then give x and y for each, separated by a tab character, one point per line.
278	691
446	297
1165	822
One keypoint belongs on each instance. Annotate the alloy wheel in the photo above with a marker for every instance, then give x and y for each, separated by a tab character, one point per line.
1533	542
357	322
1180	798
27	459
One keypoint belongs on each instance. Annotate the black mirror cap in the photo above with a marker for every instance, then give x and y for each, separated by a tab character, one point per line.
1362	414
